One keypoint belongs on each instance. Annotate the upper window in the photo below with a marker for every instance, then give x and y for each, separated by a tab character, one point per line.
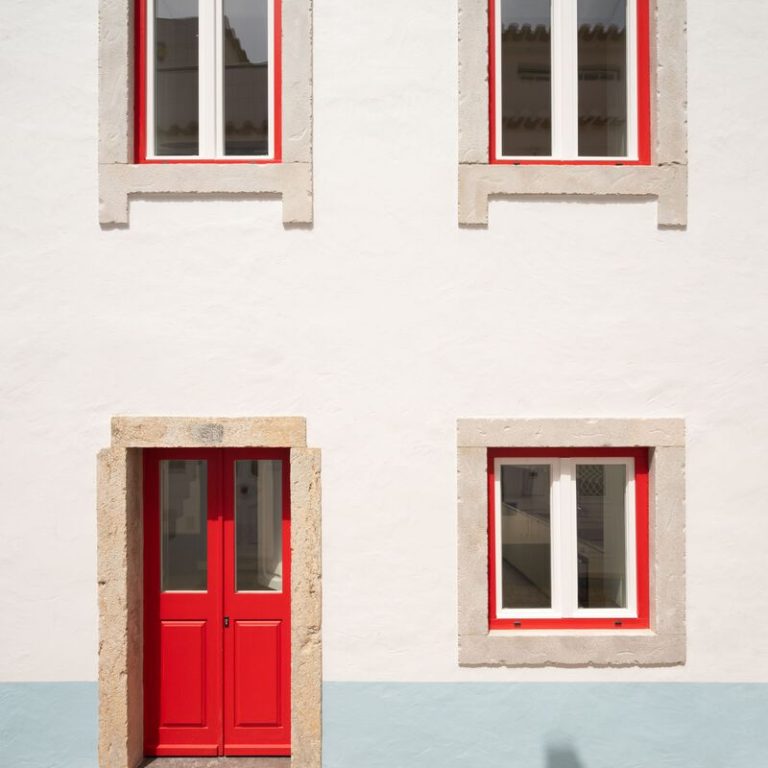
568	538
569	81
208	80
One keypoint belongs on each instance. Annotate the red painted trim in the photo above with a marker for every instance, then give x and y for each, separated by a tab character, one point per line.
492	79
643	97
167	608
643	82
640	456
140	97
140	89
219	733
257	607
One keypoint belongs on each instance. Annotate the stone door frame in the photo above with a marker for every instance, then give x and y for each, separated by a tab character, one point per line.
120	573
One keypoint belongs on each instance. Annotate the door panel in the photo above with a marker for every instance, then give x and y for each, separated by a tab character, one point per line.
257	592
217	602
182	673
182	602
257	665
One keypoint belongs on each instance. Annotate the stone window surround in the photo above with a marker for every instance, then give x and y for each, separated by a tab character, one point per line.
120	176
664	644
666	176
120	569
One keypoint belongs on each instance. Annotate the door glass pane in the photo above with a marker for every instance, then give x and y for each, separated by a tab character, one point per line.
246	77
258	526
176	77
183	525
526	89
601	532
526	536
602	78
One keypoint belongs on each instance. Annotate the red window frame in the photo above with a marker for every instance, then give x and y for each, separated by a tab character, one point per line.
140	98
643	97
640	456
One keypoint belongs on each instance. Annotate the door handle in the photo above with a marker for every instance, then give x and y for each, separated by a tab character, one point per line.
226	621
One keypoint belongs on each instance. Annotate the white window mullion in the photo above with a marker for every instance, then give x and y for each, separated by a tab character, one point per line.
557	543
632	95
569	559
219	76
149	128
631	539
207	79
271	78
565	80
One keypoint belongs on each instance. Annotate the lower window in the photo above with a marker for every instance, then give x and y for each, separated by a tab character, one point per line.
568	538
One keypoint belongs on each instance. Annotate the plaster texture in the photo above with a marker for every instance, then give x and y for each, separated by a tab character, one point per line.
382	324
120	178
664	643
666	177
120	567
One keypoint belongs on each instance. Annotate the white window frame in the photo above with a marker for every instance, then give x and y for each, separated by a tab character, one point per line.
565	86
210	84
564	540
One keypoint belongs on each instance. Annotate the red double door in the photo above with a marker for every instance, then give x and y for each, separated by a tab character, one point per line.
217	602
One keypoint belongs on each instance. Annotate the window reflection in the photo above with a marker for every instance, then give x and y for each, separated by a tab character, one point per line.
246	77
176	77
258	525
526	93
526	536
602	78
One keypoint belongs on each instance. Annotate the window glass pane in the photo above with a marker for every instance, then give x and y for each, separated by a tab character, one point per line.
526	95
601	532
258	525
526	536
183	525
602	78
176	77
246	77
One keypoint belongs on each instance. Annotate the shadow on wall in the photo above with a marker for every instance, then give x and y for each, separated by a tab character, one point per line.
560	755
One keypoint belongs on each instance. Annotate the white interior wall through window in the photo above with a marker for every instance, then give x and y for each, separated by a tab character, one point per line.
231	37
555	531
564	76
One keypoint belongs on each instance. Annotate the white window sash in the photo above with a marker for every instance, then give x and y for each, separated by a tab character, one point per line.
565	85
555	517
210	84
564	541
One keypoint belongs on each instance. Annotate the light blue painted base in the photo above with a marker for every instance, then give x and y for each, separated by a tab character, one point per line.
545	725
456	725
48	725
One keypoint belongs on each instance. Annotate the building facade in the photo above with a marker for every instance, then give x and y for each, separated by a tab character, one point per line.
385	422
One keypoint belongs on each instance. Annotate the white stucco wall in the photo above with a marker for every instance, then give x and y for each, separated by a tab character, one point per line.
381	325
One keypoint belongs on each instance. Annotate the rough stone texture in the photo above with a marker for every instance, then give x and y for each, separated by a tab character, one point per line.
571	433
306	609
664	643
119	177
473	82
182	432
120	569
666	179
291	180
120	608
478	182
297	84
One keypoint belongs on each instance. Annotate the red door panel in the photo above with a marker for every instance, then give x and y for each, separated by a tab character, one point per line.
217	602
257	678
182	602
257	600
183	678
